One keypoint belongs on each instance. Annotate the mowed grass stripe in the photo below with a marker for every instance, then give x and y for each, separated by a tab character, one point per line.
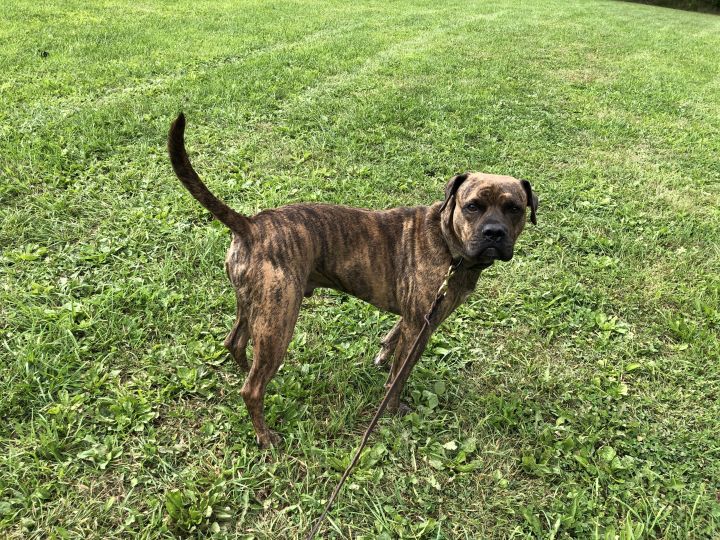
88	52
63	108
249	83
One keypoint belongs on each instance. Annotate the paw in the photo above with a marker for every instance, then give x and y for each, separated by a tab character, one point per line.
381	360
240	361
403	409
399	408
268	439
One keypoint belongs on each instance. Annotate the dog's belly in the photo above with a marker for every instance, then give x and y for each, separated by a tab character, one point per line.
356	284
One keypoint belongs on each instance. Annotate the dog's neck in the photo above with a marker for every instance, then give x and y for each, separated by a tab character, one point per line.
446	233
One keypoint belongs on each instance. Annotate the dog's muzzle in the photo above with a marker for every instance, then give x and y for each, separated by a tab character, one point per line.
492	243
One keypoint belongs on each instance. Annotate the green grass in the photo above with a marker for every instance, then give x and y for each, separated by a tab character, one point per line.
575	395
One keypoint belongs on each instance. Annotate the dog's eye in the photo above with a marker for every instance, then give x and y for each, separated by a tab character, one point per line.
472	207
514	209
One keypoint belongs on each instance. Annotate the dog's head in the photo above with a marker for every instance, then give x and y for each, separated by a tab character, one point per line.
483	215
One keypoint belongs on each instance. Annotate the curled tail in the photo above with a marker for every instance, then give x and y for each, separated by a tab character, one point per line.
190	179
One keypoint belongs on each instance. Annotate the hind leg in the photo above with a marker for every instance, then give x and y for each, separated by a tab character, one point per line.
237	340
272	328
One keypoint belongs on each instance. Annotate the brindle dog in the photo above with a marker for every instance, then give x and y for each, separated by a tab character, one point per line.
395	259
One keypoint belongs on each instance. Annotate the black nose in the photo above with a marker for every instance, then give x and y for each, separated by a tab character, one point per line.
496	233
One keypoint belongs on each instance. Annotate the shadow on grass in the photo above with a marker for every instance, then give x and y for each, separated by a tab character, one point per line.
704	6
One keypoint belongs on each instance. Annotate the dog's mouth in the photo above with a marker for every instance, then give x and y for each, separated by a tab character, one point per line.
487	254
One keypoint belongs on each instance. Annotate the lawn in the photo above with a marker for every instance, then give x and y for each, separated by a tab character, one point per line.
575	395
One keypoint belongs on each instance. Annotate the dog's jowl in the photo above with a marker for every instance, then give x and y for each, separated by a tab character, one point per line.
395	259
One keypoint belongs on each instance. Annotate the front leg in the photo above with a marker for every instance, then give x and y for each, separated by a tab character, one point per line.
388	345
408	333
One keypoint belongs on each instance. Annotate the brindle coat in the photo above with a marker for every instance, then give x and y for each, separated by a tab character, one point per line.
394	259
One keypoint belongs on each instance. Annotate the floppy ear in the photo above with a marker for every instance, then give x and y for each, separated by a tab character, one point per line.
451	188
532	200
